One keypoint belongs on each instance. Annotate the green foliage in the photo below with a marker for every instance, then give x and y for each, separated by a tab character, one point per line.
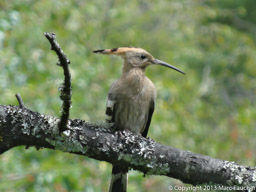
210	111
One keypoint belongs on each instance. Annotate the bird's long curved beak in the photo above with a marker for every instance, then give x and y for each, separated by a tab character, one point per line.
159	62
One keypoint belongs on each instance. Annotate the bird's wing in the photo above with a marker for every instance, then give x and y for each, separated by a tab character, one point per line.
109	115
150	113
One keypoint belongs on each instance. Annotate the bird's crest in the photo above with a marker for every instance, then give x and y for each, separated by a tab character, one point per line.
119	51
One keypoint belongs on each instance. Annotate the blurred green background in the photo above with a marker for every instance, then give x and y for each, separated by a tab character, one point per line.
211	110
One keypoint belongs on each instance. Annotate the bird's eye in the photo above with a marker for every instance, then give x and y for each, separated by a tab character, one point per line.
143	57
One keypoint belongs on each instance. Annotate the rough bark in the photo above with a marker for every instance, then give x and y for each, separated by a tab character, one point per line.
21	126
65	88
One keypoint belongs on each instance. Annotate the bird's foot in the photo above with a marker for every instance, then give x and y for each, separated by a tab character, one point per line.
120	133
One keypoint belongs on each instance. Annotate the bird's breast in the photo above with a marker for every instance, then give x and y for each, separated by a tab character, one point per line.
132	104
131	114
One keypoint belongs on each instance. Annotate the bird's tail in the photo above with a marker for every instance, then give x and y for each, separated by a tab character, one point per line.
118	180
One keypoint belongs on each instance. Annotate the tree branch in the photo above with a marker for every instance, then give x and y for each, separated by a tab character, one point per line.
21	126
65	88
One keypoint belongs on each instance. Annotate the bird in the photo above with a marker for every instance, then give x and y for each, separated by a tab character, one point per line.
131	100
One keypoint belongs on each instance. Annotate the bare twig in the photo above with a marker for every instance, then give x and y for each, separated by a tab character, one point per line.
21	103
65	88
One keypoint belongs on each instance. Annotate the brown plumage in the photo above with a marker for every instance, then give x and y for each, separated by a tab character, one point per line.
131	100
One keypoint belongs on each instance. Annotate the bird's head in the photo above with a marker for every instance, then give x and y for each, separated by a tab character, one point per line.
136	57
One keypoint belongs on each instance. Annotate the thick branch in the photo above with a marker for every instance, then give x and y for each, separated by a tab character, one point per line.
21	126
65	89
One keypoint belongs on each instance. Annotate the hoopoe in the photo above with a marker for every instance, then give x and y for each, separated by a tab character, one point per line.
131	100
